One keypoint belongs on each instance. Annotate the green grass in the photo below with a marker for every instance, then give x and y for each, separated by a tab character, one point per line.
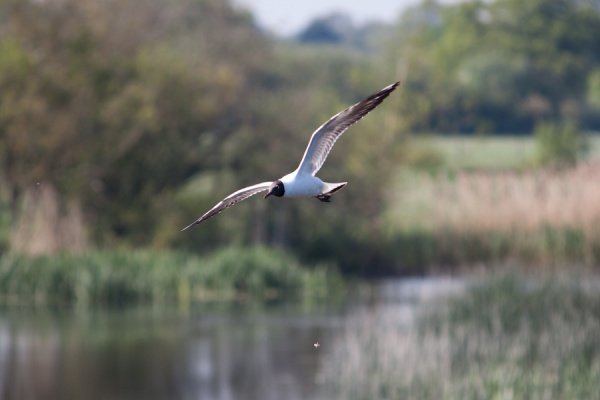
456	152
118	277
507	337
461	152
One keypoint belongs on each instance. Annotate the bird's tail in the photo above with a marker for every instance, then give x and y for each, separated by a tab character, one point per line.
331	188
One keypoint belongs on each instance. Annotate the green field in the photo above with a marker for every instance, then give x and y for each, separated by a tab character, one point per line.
459	152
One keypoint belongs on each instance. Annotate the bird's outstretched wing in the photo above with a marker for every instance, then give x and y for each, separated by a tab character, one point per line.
324	137
230	200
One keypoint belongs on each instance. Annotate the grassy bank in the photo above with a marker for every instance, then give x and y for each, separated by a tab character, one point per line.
117	277
508	337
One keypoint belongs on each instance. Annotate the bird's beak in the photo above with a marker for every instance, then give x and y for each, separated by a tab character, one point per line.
267	195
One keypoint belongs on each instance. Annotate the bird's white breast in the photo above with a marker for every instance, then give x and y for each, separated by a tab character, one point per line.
301	185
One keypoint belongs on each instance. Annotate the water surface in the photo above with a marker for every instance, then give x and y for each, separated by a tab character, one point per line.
220	351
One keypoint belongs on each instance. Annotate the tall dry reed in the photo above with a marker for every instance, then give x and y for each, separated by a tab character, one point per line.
508	201
542	213
47	225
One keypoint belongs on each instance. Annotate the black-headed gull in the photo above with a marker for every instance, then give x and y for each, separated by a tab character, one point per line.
303	182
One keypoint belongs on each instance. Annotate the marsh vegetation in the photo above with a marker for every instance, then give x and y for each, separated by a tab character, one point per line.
120	278
507	336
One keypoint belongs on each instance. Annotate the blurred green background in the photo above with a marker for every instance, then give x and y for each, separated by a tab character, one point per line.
121	122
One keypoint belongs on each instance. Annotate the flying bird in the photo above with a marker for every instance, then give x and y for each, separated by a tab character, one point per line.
302	182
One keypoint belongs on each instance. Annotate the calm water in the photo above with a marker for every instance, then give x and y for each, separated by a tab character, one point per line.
207	351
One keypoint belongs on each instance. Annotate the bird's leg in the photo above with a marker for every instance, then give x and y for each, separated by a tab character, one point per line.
324	198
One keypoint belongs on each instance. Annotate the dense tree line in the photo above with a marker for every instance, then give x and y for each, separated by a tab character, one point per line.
502	66
145	113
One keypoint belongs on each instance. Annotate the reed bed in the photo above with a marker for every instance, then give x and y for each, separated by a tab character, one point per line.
537	214
504	339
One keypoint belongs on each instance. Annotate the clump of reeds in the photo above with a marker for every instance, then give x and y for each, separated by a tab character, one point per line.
538	214
508	338
526	201
46	225
118	277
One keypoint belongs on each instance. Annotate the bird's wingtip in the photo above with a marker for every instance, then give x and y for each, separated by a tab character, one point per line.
190	225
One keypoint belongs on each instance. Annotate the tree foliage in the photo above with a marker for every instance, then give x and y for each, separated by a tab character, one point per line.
117	102
560	145
501	66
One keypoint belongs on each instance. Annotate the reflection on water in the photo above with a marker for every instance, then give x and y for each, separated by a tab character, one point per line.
210	351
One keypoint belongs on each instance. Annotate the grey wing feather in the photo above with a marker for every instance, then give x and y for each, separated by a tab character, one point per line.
323	139
230	200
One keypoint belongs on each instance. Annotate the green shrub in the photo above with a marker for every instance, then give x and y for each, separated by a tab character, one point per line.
559	144
118	277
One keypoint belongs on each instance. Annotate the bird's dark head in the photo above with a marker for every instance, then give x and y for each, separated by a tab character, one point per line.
276	189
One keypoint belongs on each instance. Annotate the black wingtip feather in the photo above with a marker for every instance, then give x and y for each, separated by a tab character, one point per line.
192	224
381	95
368	104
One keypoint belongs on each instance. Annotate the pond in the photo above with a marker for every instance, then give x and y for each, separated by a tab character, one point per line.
220	351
